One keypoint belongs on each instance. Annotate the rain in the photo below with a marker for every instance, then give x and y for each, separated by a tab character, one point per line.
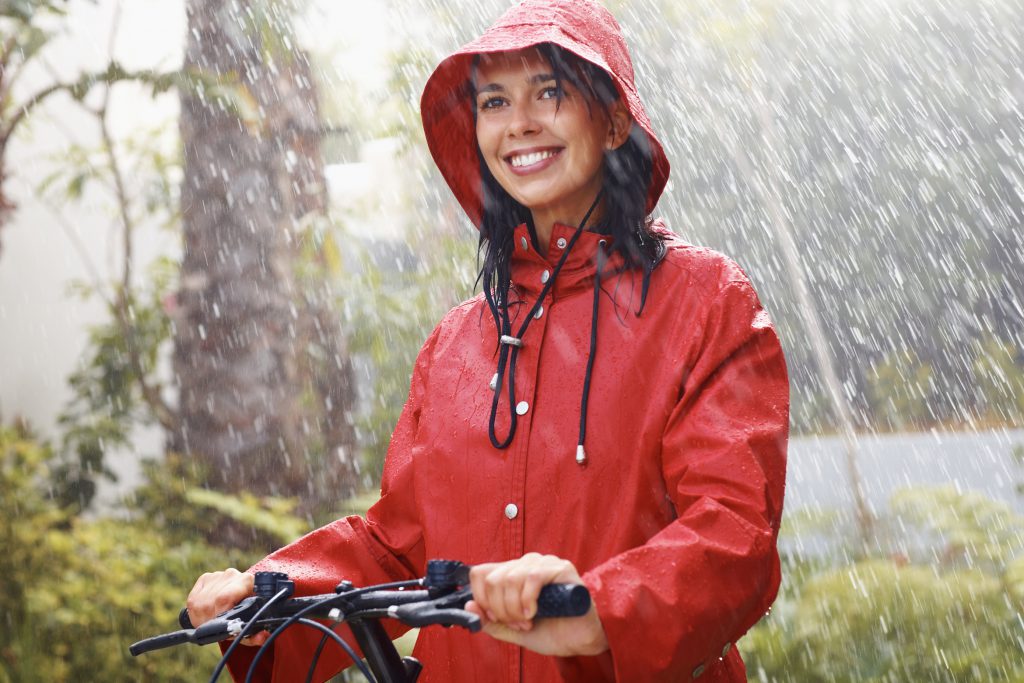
223	242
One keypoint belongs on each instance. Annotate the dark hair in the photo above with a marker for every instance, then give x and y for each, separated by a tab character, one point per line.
627	177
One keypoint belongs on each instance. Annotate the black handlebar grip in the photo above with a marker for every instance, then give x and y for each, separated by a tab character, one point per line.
183	619
563	600
158	642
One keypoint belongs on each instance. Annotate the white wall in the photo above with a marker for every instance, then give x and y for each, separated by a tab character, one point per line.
47	246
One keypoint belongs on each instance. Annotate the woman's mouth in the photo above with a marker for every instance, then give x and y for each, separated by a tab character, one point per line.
532	160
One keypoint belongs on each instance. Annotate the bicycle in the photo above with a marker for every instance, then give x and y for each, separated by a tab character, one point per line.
439	597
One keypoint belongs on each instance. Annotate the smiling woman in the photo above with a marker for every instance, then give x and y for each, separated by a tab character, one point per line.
542	138
622	423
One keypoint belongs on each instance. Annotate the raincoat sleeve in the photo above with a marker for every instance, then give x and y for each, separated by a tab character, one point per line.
674	606
386	545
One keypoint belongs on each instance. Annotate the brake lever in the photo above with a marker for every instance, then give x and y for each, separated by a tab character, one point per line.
229	623
223	626
447	610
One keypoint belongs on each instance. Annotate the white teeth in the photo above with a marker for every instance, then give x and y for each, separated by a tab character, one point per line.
530	159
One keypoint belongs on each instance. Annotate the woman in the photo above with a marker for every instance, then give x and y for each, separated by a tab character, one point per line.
612	409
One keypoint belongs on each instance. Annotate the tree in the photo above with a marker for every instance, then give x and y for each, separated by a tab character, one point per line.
264	378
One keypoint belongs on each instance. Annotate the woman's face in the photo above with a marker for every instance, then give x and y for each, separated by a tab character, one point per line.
548	156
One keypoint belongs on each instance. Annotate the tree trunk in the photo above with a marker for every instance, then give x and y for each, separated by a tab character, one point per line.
255	405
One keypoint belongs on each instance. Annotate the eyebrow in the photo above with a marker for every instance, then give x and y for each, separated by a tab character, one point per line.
536	79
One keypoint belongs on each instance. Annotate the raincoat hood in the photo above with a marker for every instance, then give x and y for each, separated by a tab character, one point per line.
581	27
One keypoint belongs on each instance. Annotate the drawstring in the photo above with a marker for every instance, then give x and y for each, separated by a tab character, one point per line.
581	454
510	345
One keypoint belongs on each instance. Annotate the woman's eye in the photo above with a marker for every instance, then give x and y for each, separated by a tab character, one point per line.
491	103
551	92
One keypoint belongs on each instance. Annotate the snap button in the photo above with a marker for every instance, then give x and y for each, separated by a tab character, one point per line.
511	510
544	277
561	243
494	382
698	671
522	407
522	241
539	313
726	648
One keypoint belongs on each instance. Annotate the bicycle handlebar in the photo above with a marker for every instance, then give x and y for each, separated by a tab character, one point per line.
438	598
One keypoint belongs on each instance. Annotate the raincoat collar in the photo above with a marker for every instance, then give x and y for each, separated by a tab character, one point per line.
582	27
577	273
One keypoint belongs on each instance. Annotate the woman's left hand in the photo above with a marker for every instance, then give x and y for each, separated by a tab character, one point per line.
505	598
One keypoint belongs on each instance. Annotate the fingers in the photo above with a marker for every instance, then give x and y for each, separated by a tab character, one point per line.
215	592
506	592
505	598
257	639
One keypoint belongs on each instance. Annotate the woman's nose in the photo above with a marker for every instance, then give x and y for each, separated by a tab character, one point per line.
523	120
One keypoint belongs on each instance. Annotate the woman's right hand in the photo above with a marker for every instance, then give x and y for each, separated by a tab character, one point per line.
216	592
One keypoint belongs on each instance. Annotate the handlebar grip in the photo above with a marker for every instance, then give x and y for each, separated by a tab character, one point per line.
161	641
183	619
563	600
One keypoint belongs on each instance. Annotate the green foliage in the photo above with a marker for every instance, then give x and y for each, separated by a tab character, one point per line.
942	601
77	591
999	374
106	398
875	620
271	516
177	508
1018	458
26	10
398	308
901	390
27	30
20	21
957	529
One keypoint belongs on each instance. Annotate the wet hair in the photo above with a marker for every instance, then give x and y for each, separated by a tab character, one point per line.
627	177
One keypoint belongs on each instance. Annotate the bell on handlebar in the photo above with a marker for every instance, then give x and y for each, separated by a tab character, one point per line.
268	584
444	576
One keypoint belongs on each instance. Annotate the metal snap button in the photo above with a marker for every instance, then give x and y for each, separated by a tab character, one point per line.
511	510
539	313
726	648
698	671
544	277
561	243
522	241
522	408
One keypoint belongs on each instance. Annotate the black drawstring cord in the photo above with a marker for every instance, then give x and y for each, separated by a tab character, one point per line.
510	345
581	454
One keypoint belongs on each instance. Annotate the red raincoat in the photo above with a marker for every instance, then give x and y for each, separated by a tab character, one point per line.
672	523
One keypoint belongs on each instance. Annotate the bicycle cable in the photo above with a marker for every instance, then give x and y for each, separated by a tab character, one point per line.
345	646
316	657
330	633
245	629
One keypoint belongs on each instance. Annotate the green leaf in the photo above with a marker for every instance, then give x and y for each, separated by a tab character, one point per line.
251	511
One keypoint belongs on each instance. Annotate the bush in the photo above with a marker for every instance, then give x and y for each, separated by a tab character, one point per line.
77	591
944	602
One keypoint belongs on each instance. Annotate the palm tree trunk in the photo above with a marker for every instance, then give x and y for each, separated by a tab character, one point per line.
251	408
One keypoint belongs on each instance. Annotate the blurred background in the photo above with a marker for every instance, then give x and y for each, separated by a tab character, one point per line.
222	242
